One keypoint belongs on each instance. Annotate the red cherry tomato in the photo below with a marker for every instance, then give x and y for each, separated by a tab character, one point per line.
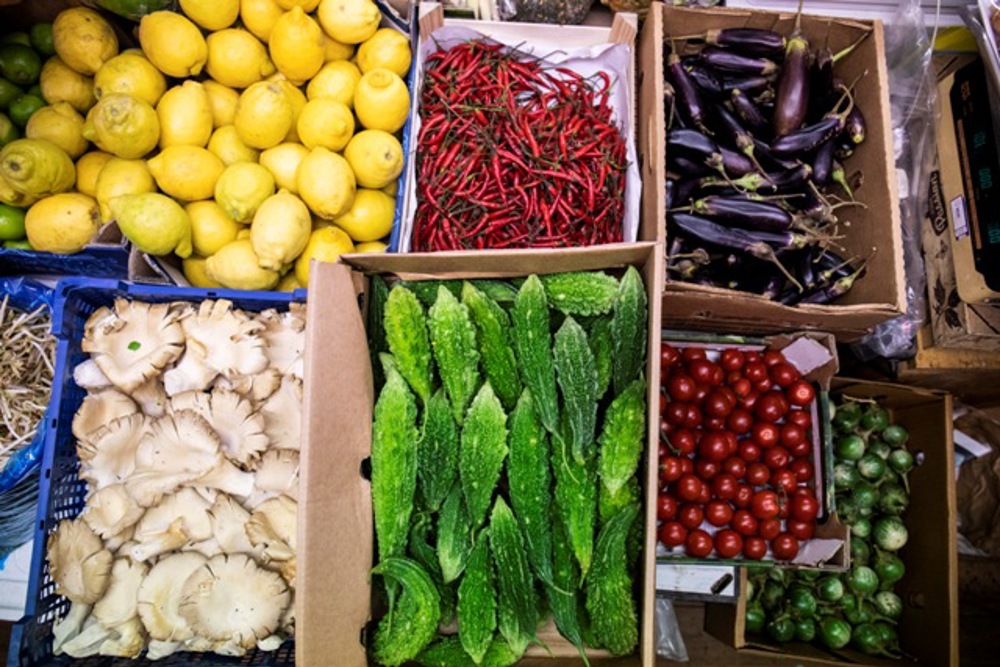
752	355
663	402
698	544
680	387
662	450
804	507
764	385
700	393
683	441
772	357
731	360
668	356
755	371
804	491
754	548
791	434
801	393
714	447
784	547
735	467
801	450
776	457
785	480
765	505
673	534
799	417
728	543
714	424
718	513
692	419
765	435
732	441
742	387
803	470
687	466
744	494
691	353
719	404
801	530
691	515
666	507
771	407
783	374
750	400
740	421
706	494
758	474
688	488
744	523
749	451
676	413
666	428
706	470
703	372
724	486
671	469
768	528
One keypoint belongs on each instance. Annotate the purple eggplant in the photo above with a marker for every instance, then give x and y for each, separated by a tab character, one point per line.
823	164
854	127
745	213
707	82
836	289
764	154
725	60
843	149
686	93
792	103
751	41
669	192
748	84
748	112
687	168
735	132
808	139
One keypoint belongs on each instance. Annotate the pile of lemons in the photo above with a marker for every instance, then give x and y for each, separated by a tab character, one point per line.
245	136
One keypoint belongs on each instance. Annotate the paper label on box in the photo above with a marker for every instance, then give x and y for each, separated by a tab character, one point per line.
707	580
960	218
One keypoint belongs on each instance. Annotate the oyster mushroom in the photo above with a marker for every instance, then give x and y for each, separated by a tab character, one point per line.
229	527
111	511
233	418
69	626
78	562
257	388
159	599
88	375
179	519
276	474
151	397
283	415
272	526
108	455
117	631
284	337
100	409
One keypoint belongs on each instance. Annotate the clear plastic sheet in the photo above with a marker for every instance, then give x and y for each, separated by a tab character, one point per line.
913	104
562	12
667	632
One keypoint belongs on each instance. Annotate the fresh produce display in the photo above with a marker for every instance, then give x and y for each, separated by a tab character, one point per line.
188	442
857	609
736	457
513	153
464	477
759	126
246	138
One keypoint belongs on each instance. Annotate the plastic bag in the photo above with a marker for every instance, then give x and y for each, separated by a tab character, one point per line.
563	12
669	641
913	104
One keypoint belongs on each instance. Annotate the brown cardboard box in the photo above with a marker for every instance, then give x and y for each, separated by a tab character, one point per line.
335	528
877	297
929	627
973	375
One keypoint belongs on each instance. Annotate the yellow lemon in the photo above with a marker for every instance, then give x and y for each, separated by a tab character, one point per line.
237	59
244	233
83	39
185	115
187	173
283	162
130	74
325	245
375	157
289	283
62	223
280	230
36	167
212	14
326	123
60	124
196	272
382	101
155	224
370	216
370	247
120	177
386	49
242	188
211	228
88	168
264	115
259	16
122	125
306	5
12	197
173	43
296	46
227	145
349	21
237	266
391	189
334	50
298	100
60	83
223	101
326	183
336	81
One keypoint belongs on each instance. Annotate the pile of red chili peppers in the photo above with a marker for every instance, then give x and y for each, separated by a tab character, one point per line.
514	155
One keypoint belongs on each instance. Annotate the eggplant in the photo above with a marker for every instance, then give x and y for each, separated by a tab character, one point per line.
725	60
832	266
837	175
792	103
670	192
736	164
748	84
764	154
732	129
707	82
750	41
745	213
823	164
836	289
686	93
691	144
773	287
854	127
844	149
810	138
687	168
748	112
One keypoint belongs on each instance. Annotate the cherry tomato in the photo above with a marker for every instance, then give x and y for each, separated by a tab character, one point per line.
666	428
668	356
784	546
666	507
719	404
770	407
802	469
683	441
785	480
714	447
765	505
735	467
691	353
776	457
700	393
772	357
742	387
801	393
732	441
673	534
764	385
747	402
693	417
783	374
724	486
676	412
705	469
749	451
804	491
662	450
671	469
768	528
744	494
765	435
691	515
706	494
801	450
731	360
728	543
752	355
783	511
688	488
755	371
801	530
758	474
714	424
703	372
687	466
680	387
698	544
754	548
663	402
791	434
740	421
804	507
718	513
800	418
744	523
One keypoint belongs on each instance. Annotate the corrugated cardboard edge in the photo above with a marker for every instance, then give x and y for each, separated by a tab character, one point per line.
652	129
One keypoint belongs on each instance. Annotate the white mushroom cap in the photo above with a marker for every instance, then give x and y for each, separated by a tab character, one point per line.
78	562
283	415
229	527
272	525
176	520
111	511
88	375
108	456
190	374
100	409
278	473
257	388
118	606
159	597
285	339
233	418
152	398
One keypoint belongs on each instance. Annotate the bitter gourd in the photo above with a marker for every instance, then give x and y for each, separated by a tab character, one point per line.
500	291
601	346
454	540
448	652
412	622
628	330
378	293
453	340
609	588
581	293
423	552
622	437
517	607
577	377
438	451
609	504
409	342
482	453
495	348
477	601
427	290
561	594
532	342
576	496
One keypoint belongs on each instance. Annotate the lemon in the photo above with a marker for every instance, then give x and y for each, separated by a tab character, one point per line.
237	59
349	21
391	189
223	101
37	167
62	223
288	284
306	5
296	46
382	101
326	123
386	49
298	100
212	14
188	173
60	83
336	81
185	115
325	245
130	74
154	223
228	147
122	125
237	266
370	247
244	233
370	216
88	168
280	230
173	43
375	157
8	131
241	190
211	228
60	124
326	183
12	197
121	177
334	50
259	17
283	162
196	272
83	39
264	115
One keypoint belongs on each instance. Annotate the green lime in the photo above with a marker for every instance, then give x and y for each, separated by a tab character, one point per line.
36	90
20	64
16	38
8	131
18	245
41	38
23	107
8	92
11	223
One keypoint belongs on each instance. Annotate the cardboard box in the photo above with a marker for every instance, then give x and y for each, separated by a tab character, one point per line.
970	374
880	295
929	627
335	527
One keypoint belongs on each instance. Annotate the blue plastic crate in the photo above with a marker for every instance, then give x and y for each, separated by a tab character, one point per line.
61	493
95	261
413	28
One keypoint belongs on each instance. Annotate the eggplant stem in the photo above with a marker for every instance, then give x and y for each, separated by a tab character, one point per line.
798	20
748	151
771	256
847	51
